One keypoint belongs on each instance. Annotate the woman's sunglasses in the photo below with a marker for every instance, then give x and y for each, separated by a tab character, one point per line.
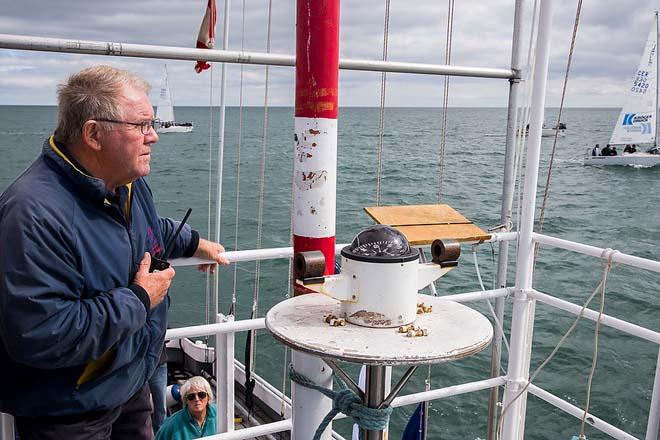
202	395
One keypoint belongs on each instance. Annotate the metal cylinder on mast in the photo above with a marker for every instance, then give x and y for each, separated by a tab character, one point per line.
314	179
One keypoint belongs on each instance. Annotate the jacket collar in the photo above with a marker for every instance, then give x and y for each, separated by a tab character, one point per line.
58	157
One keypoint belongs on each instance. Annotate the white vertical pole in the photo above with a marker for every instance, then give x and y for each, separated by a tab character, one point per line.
654	411
309	406
523	307
6	427
508	184
224	361
221	147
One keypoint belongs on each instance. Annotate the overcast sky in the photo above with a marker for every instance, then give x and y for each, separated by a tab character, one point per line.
610	40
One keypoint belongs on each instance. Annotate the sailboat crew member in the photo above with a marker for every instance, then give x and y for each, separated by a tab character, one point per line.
83	318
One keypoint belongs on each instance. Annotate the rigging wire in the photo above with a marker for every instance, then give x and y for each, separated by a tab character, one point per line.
210	187
523	120
383	82
554	143
232	307
445	98
208	279
250	343
483	288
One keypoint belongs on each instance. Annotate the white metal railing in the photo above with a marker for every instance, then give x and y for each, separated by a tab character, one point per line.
287	252
109	48
273	396
595	422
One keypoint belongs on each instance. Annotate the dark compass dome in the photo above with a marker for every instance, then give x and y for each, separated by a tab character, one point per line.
380	244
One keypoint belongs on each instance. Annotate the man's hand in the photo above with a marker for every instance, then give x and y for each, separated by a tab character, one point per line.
155	283
209	250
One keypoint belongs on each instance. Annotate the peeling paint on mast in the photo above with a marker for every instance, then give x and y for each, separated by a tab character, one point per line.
315	138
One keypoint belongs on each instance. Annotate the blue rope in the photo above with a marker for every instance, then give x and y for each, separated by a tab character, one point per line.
345	401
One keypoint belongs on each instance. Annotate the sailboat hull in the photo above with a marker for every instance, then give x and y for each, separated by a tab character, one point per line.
550	132
633	159
176	129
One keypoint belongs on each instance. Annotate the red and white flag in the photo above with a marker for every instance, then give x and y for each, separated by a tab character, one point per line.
206	36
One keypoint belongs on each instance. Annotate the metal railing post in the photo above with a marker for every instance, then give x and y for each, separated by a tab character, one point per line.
508	184
515	399
224	361
6	427
654	412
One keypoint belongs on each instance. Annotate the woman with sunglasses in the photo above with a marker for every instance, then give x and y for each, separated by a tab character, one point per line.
197	418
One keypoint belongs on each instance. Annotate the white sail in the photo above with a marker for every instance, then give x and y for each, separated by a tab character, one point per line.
165	109
637	121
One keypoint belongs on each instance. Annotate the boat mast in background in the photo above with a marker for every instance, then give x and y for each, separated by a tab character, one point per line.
165	111
657	72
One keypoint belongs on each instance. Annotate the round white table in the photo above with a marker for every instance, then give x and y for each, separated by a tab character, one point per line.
454	331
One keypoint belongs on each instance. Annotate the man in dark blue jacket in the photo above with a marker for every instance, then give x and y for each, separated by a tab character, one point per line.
82	317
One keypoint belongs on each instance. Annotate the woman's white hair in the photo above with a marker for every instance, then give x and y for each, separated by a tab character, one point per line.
197	382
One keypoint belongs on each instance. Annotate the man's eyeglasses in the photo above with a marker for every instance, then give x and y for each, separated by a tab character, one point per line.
191	396
145	126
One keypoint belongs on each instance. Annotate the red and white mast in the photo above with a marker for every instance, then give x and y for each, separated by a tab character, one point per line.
315	179
315	154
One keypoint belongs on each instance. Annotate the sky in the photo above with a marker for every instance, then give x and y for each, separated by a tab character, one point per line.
610	39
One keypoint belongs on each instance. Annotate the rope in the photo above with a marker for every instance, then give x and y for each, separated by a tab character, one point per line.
232	307
445	99
561	108
383	82
607	255
345	401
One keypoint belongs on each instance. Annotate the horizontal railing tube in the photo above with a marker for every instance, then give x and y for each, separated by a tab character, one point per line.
218	328
618	257
23	42
607	320
454	390
247	255
478	295
253	431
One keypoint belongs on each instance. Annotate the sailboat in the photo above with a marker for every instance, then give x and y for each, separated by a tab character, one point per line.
165	112
637	123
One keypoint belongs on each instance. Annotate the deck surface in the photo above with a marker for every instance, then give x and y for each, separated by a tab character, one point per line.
421	224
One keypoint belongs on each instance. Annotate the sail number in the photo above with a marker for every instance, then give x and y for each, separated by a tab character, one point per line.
640	84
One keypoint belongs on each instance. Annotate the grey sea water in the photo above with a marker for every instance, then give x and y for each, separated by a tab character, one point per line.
607	207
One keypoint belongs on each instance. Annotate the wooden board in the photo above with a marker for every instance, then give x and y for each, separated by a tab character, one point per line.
423	235
415	215
421	224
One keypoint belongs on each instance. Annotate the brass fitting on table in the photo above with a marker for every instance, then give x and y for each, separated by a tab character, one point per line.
423	308
334	321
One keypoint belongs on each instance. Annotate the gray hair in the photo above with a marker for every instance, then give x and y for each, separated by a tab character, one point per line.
92	93
199	383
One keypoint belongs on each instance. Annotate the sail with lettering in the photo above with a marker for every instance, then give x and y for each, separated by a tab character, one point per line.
637	121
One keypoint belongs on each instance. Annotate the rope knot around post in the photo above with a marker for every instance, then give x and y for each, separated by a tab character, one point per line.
347	402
